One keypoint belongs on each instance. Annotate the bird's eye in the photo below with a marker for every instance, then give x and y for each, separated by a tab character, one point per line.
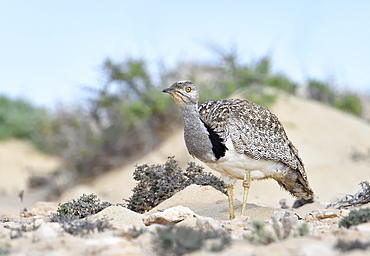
188	89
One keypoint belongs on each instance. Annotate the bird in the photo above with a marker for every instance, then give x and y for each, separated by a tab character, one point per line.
242	141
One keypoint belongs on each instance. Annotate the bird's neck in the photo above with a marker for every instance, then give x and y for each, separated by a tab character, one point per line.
191	117
196	135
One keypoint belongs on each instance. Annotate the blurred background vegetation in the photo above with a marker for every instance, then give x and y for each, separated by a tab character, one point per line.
128	115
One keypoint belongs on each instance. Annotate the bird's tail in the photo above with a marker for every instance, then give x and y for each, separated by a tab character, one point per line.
296	185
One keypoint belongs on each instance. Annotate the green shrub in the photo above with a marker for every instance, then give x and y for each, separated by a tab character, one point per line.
303	230
259	234
320	91
282	82
349	102
22	120
355	217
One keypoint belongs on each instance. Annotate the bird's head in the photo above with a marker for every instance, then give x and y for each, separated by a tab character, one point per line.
183	93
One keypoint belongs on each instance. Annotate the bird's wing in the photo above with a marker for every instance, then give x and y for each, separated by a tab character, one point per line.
253	129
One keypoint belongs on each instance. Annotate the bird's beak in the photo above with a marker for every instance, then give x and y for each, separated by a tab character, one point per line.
175	95
169	90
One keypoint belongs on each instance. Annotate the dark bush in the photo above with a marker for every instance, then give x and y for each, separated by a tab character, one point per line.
346	246
69	215
85	206
157	183
85	227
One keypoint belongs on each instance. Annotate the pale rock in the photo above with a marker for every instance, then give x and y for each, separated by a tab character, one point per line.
172	215
322	214
189	222
47	231
238	227
208	223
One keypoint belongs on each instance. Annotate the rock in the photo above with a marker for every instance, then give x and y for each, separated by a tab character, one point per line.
172	215
208	223
322	214
189	222
47	231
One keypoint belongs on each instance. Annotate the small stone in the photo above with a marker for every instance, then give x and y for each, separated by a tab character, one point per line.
172	215
47	231
208	223
322	214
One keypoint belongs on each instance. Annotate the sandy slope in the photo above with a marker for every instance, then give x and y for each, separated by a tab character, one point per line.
325	138
19	160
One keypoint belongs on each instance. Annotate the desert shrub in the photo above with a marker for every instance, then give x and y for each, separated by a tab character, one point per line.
70	215
157	183
303	230
259	234
343	100
85	227
22	120
282	82
320	91
84	206
120	121
174	240
355	217
349	102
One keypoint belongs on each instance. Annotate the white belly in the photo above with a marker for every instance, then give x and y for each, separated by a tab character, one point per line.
234	166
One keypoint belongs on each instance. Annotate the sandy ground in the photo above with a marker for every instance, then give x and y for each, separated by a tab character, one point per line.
326	139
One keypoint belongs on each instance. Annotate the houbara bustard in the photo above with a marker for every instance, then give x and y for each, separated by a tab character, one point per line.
241	140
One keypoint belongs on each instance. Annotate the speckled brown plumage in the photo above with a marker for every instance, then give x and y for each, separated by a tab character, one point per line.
241	140
256	132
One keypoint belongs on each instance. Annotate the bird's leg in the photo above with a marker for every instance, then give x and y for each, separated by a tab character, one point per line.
230	196
246	185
